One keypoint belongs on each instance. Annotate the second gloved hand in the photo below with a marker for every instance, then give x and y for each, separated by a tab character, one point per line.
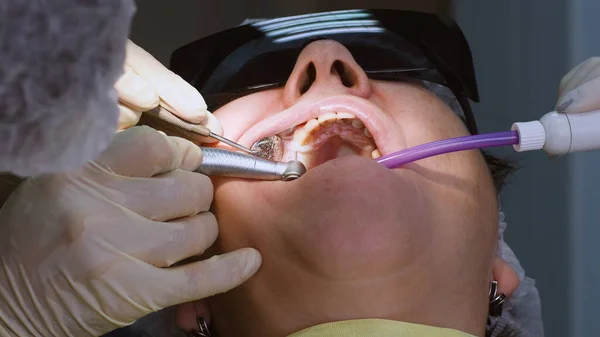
86	252
146	83
580	89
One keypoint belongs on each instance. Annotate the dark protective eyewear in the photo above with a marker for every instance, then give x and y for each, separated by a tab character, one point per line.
390	45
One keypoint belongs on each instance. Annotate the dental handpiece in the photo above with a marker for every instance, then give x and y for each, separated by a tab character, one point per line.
219	162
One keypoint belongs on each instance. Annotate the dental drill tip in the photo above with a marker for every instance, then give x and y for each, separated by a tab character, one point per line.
295	170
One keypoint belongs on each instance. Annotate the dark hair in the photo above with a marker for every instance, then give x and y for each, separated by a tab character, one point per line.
501	169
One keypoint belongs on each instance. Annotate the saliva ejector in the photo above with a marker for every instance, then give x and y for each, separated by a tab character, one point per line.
555	133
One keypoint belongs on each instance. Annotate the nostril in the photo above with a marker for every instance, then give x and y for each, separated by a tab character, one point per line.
308	78
347	77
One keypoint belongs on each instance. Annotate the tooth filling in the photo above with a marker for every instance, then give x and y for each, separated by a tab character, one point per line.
270	148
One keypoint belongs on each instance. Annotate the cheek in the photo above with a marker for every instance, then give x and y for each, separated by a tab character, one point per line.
241	114
242	209
461	180
469	206
421	116
231	215
431	120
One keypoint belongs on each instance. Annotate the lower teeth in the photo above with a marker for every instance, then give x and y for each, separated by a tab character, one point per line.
375	154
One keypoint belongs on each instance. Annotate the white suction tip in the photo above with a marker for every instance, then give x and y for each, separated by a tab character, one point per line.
532	136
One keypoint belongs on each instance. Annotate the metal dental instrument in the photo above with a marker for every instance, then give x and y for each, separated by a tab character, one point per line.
259	163
219	162
162	113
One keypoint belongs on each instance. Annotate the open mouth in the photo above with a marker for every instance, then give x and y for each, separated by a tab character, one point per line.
328	129
331	135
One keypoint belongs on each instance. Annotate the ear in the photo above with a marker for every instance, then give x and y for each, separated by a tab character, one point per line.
507	278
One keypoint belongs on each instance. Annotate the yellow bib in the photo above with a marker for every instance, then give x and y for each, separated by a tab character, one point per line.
376	328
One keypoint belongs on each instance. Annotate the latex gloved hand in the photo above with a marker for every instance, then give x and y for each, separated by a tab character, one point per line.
86	252
580	89
146	83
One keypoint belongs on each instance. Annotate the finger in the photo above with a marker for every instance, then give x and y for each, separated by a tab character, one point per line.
214	125
206	278
136	92
128	118
173	195
182	239
584	98
144	152
585	71
187	314
176	94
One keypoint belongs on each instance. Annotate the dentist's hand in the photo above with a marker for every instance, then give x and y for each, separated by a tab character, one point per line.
146	83
88	251
580	89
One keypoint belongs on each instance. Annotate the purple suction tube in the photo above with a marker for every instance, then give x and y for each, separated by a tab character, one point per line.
409	155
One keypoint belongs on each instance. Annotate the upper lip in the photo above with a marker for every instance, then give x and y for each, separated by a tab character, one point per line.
374	119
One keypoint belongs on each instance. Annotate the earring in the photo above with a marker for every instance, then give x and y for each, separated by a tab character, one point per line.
202	329
496	300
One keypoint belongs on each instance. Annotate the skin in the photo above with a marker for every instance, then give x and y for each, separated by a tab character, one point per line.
352	239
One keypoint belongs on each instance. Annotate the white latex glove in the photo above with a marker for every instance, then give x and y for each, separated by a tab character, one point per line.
146	83
580	89
86	252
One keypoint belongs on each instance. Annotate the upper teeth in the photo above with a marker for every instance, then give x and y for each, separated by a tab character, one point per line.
305	137
356	123
328	119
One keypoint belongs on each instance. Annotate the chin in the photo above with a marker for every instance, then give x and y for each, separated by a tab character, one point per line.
339	218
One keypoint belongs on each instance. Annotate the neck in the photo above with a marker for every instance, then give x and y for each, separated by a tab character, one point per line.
308	299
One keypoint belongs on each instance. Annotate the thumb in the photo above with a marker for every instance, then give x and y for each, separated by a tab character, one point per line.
206	278
174	92
579	89
583	98
128	117
144	152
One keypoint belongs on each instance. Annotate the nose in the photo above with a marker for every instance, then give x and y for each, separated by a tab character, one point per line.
325	68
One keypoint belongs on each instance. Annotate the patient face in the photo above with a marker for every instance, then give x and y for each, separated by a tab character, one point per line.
351	239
